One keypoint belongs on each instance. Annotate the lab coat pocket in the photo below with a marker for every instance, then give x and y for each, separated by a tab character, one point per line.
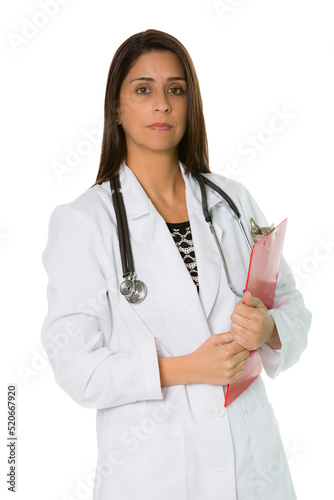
271	474
148	461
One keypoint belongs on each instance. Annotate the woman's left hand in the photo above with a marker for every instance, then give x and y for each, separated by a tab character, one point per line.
252	325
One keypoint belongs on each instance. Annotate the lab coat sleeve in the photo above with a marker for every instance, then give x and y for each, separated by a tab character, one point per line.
72	333
289	312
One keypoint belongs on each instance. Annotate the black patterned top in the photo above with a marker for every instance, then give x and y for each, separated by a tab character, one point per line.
181	233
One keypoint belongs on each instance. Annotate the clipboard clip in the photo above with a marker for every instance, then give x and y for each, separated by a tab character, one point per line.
258	232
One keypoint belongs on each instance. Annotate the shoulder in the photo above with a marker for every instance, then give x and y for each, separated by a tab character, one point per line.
241	196
235	189
89	206
224	182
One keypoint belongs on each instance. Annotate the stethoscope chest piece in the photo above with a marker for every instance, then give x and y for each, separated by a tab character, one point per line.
134	291
127	287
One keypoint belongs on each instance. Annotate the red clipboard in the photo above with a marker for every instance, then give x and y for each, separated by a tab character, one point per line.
261	282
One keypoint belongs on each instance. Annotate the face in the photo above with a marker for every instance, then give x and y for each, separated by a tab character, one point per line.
154	91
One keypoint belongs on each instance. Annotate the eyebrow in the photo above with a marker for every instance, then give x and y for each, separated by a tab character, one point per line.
148	79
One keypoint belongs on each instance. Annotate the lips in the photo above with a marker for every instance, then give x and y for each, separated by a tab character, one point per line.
160	126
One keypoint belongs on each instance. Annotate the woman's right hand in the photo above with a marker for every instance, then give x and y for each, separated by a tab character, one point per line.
219	360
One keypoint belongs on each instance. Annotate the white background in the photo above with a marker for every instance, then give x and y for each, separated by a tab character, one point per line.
257	58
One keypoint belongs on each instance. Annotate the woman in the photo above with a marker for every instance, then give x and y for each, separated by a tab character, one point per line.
157	370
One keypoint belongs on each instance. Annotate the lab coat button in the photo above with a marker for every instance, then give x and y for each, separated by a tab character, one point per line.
220	412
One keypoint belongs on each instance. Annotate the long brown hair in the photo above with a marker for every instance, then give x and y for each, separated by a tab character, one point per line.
193	147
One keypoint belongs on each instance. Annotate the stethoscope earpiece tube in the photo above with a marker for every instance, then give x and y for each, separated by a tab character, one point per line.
120	227
201	180
223	194
134	290
208	219
204	197
227	199
130	266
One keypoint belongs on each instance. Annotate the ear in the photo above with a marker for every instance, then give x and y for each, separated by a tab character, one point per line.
118	120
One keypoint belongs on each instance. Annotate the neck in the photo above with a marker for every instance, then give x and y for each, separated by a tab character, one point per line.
159	174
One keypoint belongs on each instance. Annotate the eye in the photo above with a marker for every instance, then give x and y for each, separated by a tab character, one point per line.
141	88
177	93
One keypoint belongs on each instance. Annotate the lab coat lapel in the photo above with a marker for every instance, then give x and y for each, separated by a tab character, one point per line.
149	227
165	258
207	255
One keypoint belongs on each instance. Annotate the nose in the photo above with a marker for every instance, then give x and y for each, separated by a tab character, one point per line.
162	103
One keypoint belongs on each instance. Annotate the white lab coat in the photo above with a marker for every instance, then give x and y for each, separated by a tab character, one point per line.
174	442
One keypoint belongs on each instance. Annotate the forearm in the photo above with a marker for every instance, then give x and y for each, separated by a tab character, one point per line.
175	370
274	342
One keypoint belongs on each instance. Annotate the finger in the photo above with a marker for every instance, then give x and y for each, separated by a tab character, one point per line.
240	339
251	301
237	375
241	329
241	357
242	310
237	348
222	338
241	365
242	336
240	320
241	354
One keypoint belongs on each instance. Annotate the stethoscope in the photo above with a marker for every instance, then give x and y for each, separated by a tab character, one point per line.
134	290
